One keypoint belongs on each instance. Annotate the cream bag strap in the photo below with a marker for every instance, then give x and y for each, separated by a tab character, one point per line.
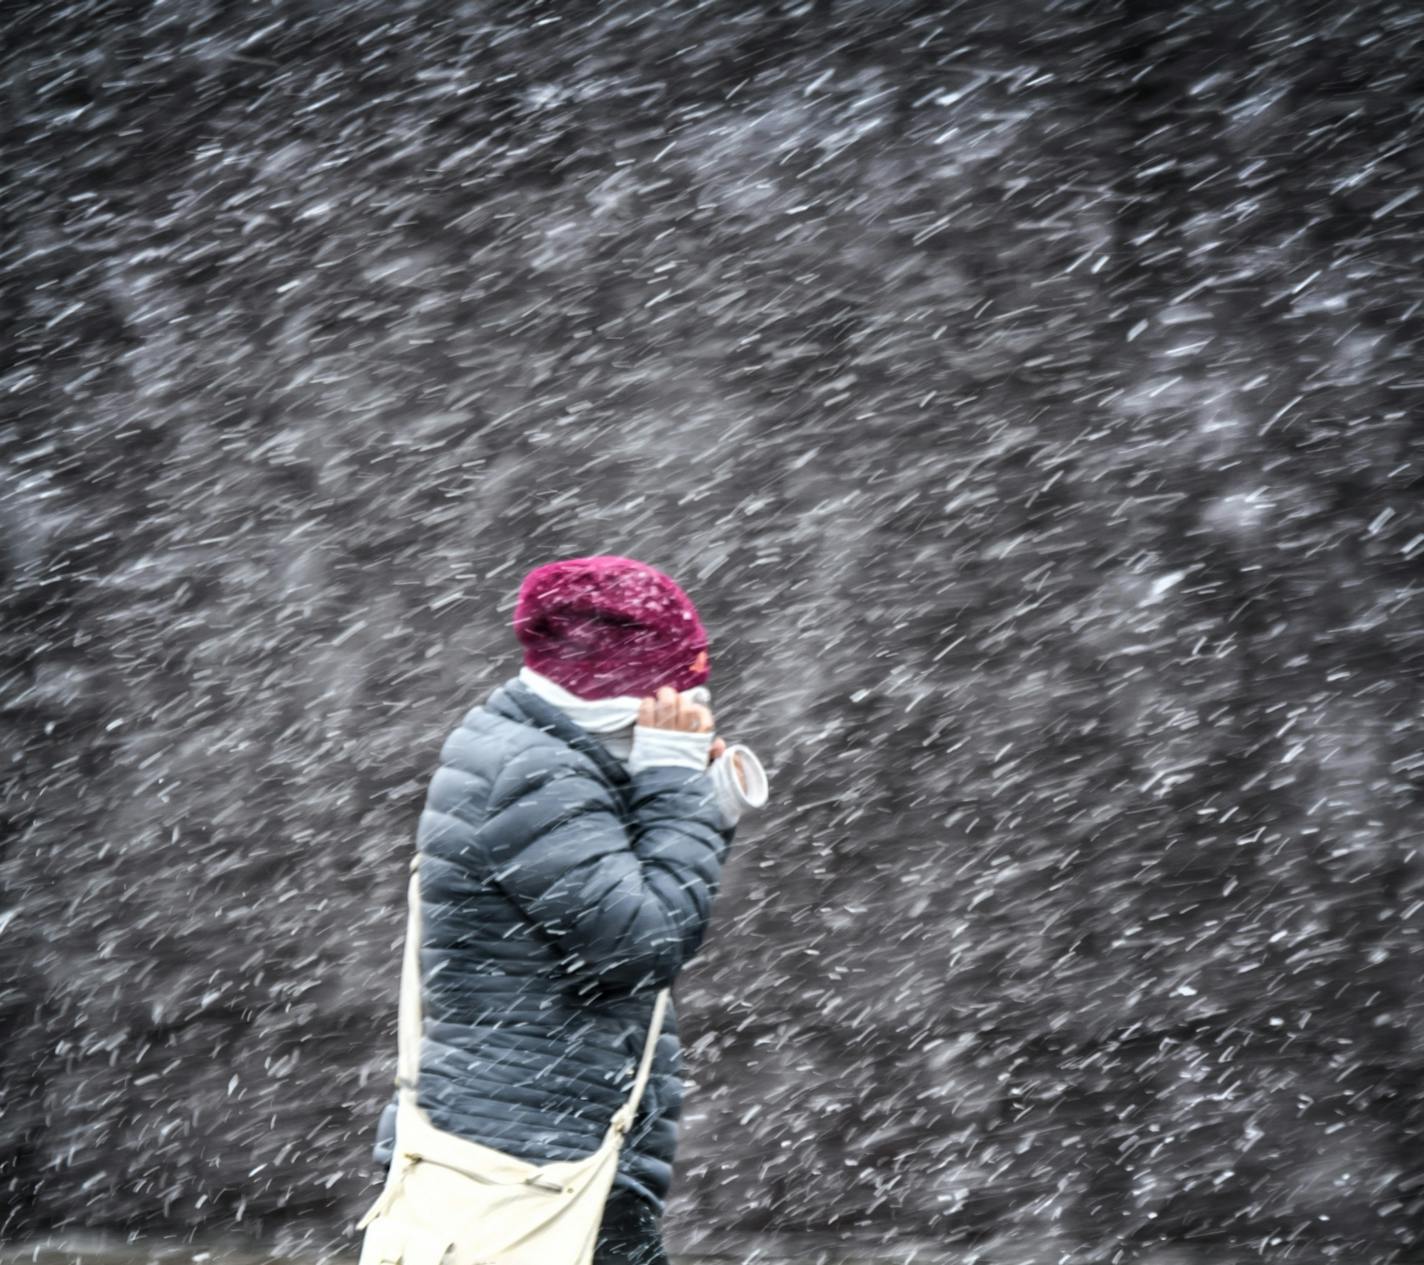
411	1024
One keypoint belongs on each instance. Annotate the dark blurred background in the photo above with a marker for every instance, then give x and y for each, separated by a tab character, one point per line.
1028	394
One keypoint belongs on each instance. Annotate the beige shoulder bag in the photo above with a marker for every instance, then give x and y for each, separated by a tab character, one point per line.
450	1201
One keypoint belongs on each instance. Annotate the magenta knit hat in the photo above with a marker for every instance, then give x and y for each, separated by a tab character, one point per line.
606	626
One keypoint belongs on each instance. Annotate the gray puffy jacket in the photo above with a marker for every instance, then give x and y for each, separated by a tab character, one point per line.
559	892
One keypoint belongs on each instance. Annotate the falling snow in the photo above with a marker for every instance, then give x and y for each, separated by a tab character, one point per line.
1029	398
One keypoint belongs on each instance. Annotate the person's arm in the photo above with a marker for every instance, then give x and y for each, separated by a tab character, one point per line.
628	905
738	777
678	730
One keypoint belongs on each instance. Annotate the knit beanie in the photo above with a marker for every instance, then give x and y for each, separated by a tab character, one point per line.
607	627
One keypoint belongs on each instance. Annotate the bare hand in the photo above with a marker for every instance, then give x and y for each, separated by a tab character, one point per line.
667	709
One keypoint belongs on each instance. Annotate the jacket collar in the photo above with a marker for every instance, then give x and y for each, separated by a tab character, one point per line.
516	701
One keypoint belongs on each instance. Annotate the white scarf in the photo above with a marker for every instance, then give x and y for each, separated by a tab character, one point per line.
597	715
611	719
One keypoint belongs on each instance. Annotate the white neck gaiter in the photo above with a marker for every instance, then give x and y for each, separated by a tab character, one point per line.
609	719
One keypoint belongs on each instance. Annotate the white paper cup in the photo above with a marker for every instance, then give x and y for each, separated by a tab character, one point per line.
738	795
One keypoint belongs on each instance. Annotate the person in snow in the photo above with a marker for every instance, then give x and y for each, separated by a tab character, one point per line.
572	842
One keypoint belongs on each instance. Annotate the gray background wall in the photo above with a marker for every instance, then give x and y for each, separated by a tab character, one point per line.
1029	396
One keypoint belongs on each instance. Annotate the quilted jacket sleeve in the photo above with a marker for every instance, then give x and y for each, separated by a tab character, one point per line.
626	902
